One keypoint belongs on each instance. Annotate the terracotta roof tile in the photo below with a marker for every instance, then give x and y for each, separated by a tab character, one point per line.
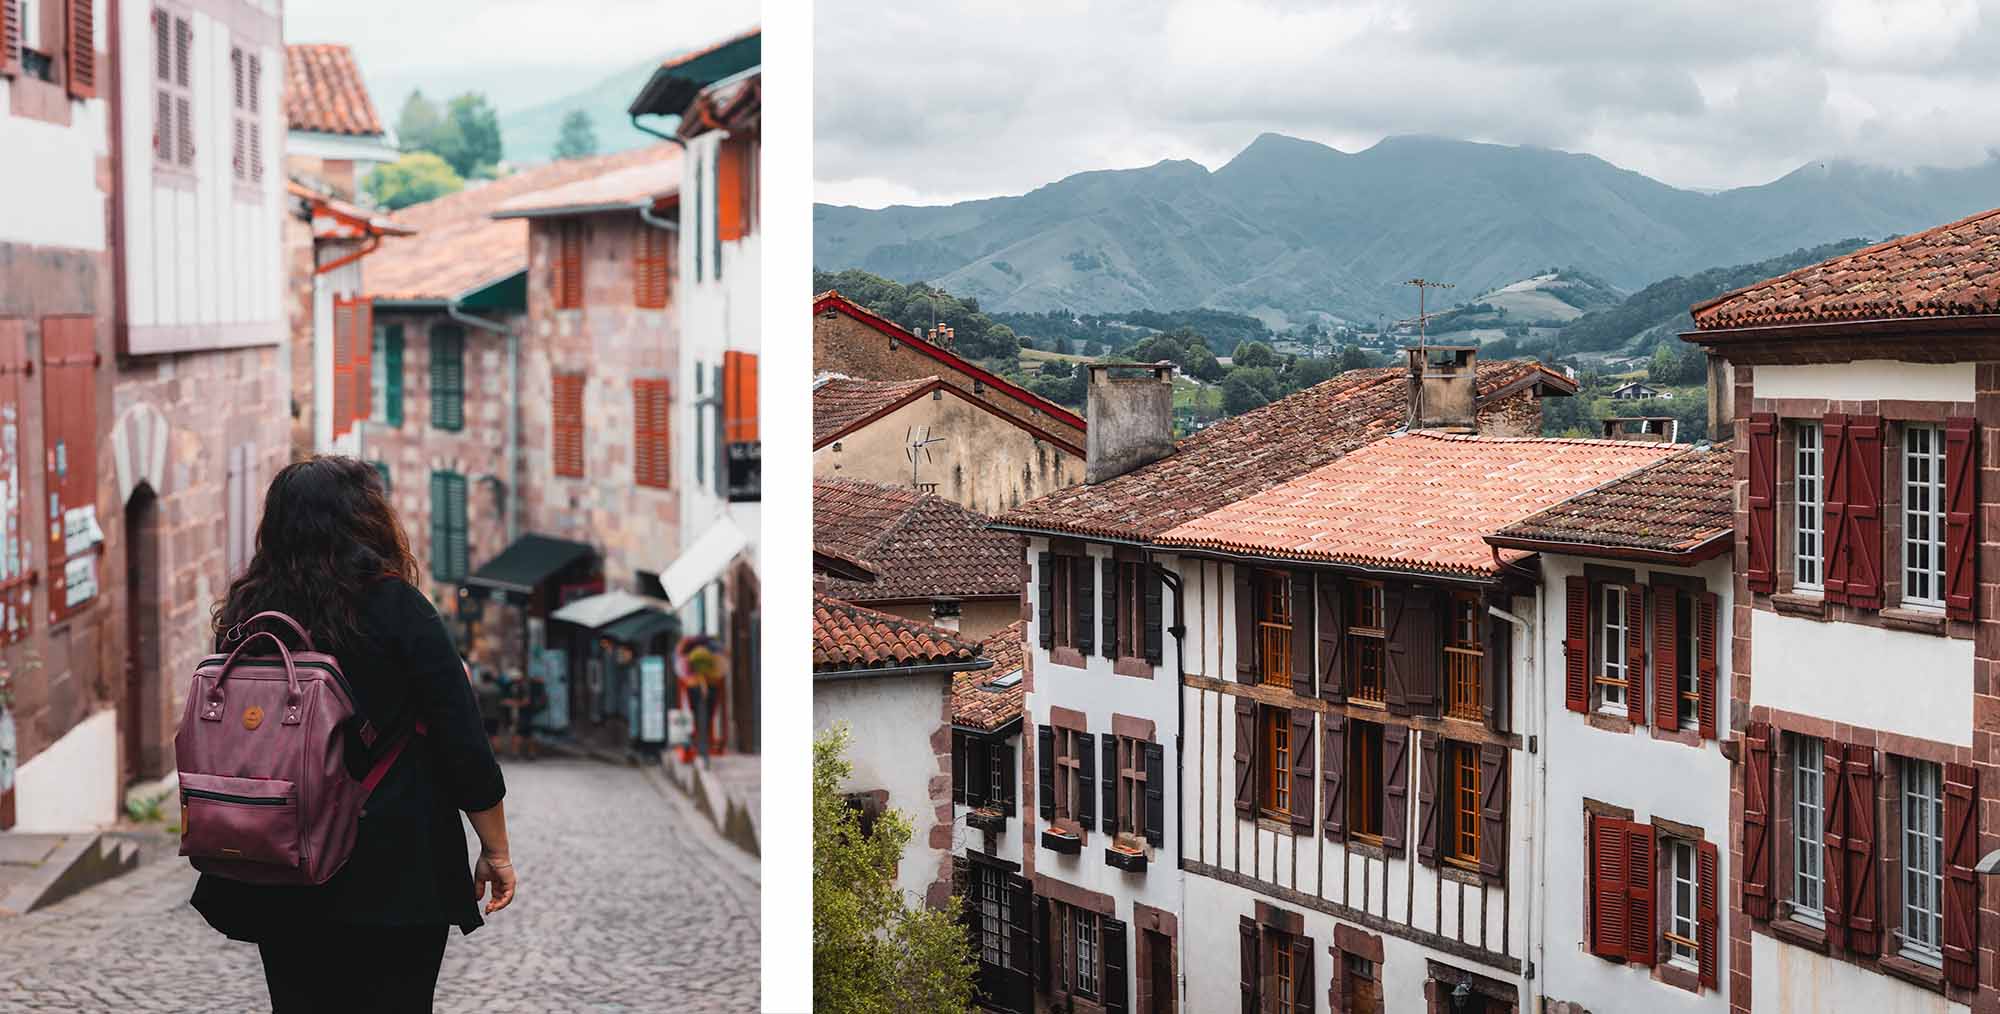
324	91
1254	451
919	545
632	187
1951	270
974	704
1678	506
1420	502
841	402
460	247
848	638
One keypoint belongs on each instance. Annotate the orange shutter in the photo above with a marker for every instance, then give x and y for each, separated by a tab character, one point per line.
739	397
82	49
649	269
10	37
566	444
568	263
732	189
363	340
652	457
343	365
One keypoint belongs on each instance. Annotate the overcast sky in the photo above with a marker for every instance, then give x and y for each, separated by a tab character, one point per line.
938	103
519	53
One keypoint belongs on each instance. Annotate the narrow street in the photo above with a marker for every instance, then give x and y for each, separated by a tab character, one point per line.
629	902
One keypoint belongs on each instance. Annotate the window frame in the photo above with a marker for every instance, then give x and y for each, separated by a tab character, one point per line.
1464	657
1062	599
1808	503
1068	761
1130	819
1681	951
1807	837
1365	788
1276	626
1274	763
1067	922
1920	819
1459	835
991	918
1367	642
1926	483
1130	611
1604	660
1687	661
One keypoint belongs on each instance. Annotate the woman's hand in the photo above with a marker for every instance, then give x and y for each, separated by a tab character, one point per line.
498	871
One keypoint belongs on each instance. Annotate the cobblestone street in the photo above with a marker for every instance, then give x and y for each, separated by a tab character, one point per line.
629	902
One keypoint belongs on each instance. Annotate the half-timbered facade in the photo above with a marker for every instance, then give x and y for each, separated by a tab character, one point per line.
997	902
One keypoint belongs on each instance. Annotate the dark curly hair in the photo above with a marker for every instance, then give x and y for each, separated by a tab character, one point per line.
328	534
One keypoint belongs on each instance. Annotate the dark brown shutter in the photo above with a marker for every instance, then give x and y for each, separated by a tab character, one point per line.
959	747
1302	976
81	52
1302	640
1835	548
1333	776
1833	865
1422	630
1864	928
1707	925
1156	793
1961	884
1021	907
1331	635
1112	603
1045	593
1635	653
1576	644
1666	658
1396	668
1496	670
1246	936
1864	511
1302	769
1640	931
1763	496
1081	602
1151	584
10	37
1004	793
1108	819
1427	799
1117	977
1045	770
1709	706
1961	500
1395	788
1246	626
1756	873
1083	807
1609	888
1246	757
1492	809
1043	947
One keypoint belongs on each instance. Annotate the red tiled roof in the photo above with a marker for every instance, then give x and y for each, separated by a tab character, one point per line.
1254	451
1680	506
461	247
918	545
633	187
976	706
1419	502
344	220
840	403
1948	271
848	639
324	91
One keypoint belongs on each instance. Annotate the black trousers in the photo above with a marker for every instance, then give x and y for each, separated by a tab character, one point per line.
386	969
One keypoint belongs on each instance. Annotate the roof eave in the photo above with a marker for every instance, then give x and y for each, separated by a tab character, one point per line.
1807	330
1474	577
580	209
926	669
1701	552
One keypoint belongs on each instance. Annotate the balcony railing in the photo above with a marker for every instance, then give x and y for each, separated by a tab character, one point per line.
1276	641
1461	682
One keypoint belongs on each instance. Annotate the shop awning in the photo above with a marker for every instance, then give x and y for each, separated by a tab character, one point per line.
640	628
529	561
703	562
594	611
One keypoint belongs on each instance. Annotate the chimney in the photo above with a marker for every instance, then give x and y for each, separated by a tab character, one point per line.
1444	388
1649	429
1130	409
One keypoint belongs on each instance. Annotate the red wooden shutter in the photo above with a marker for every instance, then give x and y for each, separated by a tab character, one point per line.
1864	511
1833	493
1863	924
1246	626
1246	757
1427	799
1756	873
1961	884
364	357
569	264
1666	658
1709	707
82	50
10	37
732	210
1333	776
649	269
1640	931
652	438
343	364
1635	654
1707	925
1302	770
1609	888
1395	788
69	430
1576	644
1492	809
1246	936
739	397
1332	636
1833	865
566	443
1763	494
1961	500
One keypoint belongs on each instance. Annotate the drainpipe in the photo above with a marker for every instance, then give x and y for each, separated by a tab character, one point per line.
643	129
1531	716
646	215
1179	630
455	312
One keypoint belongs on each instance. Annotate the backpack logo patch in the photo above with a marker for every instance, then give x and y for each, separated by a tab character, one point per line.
253	716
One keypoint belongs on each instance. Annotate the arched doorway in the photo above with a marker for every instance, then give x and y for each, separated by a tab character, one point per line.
141	725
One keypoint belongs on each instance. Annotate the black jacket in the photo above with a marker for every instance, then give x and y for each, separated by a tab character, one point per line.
409	865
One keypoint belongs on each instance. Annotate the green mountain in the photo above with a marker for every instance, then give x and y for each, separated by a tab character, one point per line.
530	134
1291	229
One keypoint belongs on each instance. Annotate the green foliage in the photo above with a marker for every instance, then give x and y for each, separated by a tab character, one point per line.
412	179
466	134
1253	354
1673	366
980	337
418	125
579	137
1247	388
1222	329
873	953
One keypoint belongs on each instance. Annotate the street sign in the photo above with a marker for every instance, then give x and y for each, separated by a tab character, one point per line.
746	483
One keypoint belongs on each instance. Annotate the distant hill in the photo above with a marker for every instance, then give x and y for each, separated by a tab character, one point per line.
1289	230
530	134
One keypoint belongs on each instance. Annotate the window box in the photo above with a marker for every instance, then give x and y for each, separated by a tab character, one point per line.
1128	859
987	818
1057	840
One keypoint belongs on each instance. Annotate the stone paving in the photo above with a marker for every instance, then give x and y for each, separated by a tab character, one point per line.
629	902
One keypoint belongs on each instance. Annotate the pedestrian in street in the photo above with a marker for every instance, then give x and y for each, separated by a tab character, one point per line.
705	673
331	552
489	691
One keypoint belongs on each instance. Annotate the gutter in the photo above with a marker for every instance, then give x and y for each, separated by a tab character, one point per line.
945	668
453	310
643	129
1532	716
1706	550
646	215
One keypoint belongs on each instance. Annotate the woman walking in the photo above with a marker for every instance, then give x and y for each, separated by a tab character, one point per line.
331	553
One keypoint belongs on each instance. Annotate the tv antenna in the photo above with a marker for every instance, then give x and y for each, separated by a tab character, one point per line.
918	441
1423	319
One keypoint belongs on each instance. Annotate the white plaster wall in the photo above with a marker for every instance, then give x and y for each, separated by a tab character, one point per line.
73	784
1835	671
892	719
1869	380
1623	769
53	199
1793	980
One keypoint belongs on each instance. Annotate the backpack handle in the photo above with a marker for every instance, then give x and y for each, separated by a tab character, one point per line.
272	614
213	712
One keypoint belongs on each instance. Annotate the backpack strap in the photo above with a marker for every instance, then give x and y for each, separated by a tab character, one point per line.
237	631
388	758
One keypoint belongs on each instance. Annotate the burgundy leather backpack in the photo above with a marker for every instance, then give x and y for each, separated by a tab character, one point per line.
266	796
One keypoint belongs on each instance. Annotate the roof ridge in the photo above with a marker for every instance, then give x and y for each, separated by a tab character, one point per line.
1697	309
1484	438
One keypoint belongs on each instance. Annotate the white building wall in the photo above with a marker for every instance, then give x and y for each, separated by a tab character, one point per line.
53	198
73	784
893	719
1869	380
1793	980
1834	671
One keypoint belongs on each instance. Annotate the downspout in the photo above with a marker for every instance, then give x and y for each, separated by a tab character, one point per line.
1179	630
643	129
1531	716
452	310
646	215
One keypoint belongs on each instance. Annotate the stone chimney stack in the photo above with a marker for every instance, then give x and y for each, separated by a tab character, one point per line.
1651	429
1130	411
1444	388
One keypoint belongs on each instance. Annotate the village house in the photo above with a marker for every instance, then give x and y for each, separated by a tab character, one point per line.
917	555
986	791
1637	391
333	137
892	407
1864	682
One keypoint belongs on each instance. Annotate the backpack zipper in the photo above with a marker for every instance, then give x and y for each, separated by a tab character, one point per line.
338	677
230	797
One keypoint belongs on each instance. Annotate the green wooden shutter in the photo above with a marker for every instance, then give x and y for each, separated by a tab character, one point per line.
391	358
448	527
440	567
382	469
448	377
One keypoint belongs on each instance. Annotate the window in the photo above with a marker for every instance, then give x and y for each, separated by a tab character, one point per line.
246	152
1276	963
1923	860
1079	968
1364	781
651	268
1063	597
1808	490
566	265
652	426
1274	627
1461	830
448	377
1807	763
1366	646
1612	633
1085	962
1463	651
448	535
1074	776
1131	775
993	907
1131	614
173	91
1278	956
1923	516
1683	943
982	771
387	381
566	425
1687	630
1275	767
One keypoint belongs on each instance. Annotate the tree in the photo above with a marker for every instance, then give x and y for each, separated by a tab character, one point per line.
1058	369
872	953
413	179
1242	392
417	126
579	137
1253	354
1354	357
